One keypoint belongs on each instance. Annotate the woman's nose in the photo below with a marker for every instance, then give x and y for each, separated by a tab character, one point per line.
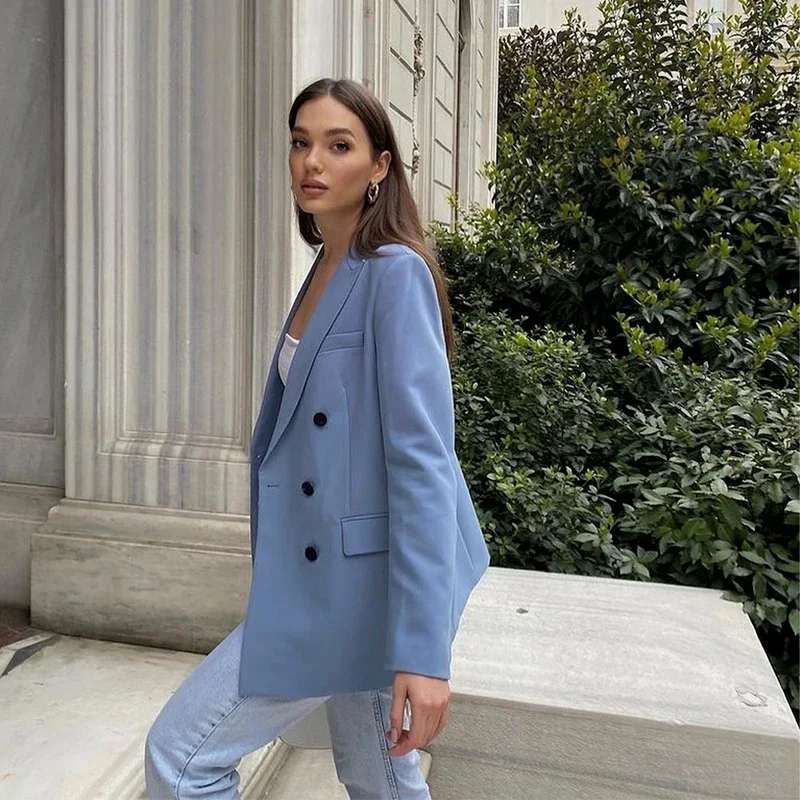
312	158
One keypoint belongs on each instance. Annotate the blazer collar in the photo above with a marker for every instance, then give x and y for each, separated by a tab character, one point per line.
328	307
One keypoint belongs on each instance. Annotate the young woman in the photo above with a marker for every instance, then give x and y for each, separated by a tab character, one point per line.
365	542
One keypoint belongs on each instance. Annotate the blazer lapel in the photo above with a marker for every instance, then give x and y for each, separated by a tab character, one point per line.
328	307
273	388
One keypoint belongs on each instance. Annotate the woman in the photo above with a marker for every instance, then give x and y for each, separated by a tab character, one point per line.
365	543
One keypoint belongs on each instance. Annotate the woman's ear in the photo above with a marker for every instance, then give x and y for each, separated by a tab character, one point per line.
381	166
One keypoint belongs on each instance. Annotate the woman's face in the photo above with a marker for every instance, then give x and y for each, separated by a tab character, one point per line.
330	147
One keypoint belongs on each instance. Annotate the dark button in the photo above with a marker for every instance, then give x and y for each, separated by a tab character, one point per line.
320	419
308	488
311	553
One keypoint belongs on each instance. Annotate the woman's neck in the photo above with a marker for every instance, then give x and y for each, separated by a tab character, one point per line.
336	237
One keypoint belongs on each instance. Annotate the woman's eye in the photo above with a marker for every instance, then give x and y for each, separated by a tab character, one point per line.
341	147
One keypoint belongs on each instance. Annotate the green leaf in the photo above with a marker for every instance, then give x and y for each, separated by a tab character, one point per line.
794	620
695	528
652	497
733	597
730	512
718	486
749	555
775	614
641	569
721	555
775	491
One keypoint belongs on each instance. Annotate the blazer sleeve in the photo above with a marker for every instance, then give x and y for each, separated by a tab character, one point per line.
418	430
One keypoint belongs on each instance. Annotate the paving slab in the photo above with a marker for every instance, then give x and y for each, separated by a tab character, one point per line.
76	712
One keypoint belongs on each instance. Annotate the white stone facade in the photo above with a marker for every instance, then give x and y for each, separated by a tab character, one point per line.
148	255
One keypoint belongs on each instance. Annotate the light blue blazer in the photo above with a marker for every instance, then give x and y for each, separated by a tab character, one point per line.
365	542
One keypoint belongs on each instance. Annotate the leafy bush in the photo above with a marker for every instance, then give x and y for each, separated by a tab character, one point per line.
664	160
521	403
627	384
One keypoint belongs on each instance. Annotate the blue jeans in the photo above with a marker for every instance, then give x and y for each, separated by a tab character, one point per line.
206	727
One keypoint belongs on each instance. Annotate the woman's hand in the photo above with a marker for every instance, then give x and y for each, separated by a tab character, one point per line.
429	699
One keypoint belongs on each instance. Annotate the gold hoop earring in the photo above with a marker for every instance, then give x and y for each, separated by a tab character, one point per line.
372	192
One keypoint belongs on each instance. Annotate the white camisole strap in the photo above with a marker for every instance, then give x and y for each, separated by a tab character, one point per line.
288	350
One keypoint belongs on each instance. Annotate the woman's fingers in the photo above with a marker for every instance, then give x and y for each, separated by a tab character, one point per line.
424	725
396	714
429	698
407	741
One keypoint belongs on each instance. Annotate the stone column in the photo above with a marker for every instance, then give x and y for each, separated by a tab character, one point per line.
178	273
477	97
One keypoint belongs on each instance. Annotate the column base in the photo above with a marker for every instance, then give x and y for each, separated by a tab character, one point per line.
142	575
23	508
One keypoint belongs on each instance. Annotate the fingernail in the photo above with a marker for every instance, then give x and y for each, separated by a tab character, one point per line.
393	735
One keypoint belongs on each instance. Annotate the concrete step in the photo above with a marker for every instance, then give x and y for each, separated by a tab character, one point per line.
73	707
123	779
75	715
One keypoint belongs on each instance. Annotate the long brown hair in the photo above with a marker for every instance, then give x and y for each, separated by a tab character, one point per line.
393	217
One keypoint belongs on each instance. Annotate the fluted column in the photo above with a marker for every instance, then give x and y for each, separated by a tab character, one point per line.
178	276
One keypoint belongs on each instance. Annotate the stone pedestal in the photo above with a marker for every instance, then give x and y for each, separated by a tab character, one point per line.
169	578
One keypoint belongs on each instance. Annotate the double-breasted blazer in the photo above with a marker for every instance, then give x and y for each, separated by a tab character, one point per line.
365	542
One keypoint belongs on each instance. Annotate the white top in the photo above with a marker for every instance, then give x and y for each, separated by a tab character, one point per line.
287	354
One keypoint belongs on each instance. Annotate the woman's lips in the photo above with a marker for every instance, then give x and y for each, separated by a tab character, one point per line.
314	191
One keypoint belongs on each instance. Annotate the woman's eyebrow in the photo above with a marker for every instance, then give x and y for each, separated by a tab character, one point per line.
329	132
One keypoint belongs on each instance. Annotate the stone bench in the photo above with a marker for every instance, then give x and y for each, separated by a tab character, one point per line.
570	687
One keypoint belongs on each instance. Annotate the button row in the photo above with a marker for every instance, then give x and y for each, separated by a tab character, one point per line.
320	420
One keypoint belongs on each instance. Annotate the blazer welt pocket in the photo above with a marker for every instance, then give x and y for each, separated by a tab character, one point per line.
338	341
368	533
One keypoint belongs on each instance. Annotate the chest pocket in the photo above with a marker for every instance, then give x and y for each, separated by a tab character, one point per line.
341	341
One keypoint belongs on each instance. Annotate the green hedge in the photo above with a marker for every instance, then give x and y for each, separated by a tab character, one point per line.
627	313
664	162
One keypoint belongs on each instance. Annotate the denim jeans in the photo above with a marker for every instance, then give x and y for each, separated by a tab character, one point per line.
206	727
